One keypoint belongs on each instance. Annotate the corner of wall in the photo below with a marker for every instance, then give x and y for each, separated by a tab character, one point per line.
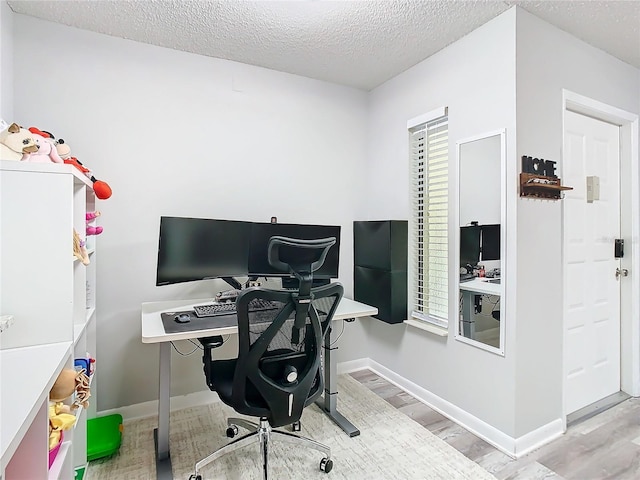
515	447
6	62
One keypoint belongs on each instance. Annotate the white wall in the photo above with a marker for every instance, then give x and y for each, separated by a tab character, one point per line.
550	60
6	62
475	78
181	134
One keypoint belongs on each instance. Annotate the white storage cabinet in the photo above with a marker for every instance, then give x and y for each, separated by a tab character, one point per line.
51	296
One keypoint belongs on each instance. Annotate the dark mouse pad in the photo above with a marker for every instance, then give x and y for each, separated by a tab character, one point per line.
196	323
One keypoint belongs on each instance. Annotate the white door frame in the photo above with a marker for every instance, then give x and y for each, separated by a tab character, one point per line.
629	209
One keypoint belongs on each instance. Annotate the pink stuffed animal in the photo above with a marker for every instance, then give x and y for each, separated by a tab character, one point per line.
46	153
91	230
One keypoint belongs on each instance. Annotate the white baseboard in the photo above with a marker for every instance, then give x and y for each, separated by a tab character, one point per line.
150	409
535	439
353	365
514	447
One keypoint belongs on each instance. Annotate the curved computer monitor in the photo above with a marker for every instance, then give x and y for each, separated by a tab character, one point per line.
258	251
191	249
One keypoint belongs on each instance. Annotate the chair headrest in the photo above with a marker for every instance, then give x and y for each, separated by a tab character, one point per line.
298	256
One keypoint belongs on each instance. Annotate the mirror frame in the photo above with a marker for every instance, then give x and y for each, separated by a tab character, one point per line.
503	250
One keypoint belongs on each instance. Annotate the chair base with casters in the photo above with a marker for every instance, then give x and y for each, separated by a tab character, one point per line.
263	434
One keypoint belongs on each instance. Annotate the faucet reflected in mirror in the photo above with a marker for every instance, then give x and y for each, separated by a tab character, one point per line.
480	218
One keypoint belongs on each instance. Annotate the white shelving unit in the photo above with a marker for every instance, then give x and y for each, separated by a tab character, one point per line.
51	296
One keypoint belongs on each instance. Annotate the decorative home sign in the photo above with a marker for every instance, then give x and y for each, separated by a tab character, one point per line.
538	179
539	166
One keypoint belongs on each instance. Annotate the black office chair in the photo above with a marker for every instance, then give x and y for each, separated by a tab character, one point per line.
278	371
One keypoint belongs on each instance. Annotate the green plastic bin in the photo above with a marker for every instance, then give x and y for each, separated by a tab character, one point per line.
104	436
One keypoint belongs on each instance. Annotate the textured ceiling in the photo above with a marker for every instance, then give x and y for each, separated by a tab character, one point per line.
356	43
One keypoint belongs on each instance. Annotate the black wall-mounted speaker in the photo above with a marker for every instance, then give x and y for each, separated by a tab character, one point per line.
380	267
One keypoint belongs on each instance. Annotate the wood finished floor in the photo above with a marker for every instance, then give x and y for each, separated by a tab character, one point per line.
604	447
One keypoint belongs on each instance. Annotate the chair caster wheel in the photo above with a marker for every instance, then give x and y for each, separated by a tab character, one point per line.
296	426
232	431
326	464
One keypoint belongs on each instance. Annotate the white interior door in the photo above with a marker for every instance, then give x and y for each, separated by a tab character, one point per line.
591	287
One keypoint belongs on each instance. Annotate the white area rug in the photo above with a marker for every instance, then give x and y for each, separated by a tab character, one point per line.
390	446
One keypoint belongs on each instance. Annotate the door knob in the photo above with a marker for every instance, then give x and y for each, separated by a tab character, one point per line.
621	271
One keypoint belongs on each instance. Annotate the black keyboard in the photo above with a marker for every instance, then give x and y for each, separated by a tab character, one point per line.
229	308
467	277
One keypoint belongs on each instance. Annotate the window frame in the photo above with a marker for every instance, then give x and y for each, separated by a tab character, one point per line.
419	181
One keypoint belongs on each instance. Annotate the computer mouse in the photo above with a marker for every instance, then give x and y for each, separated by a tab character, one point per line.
182	318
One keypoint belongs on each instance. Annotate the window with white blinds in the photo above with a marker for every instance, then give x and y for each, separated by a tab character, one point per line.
429	157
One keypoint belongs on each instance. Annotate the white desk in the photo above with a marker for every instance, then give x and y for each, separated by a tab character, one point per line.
477	286
153	332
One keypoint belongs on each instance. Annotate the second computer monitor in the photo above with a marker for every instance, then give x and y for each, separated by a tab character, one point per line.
261	233
490	246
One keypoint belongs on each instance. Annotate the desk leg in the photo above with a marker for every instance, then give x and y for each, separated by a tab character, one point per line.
161	434
468	312
328	403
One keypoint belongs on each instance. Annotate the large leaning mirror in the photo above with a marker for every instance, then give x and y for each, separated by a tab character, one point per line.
481	163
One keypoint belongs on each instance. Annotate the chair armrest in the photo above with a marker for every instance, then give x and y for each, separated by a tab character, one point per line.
211	342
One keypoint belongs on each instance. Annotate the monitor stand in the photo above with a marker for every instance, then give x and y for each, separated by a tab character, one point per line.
233	282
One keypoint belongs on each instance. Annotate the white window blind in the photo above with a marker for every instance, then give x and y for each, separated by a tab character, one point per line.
429	152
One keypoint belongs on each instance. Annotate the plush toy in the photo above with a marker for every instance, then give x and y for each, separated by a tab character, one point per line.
64	386
79	250
68	383
15	142
63	150
76	163
59	419
42	133
101	189
46	152
91	230
82	389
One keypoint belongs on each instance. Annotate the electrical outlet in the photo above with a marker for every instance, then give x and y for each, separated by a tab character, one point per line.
5	322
